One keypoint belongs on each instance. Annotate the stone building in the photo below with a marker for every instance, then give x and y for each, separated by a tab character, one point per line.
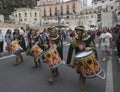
26	16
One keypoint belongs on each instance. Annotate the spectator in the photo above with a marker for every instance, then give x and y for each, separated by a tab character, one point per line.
68	36
118	44
1	41
72	34
8	39
93	35
105	42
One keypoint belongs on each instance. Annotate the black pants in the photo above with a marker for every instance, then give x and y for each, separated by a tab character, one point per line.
1	46
118	49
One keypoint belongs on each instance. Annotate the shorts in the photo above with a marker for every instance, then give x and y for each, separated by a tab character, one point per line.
105	47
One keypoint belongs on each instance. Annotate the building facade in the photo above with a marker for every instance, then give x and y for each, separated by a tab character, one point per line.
57	11
26	16
110	7
89	18
84	4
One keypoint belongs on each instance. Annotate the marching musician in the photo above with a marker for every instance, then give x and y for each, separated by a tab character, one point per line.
33	38
55	40
20	39
82	42
43	43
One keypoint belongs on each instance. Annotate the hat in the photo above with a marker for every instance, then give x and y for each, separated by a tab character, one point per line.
82	28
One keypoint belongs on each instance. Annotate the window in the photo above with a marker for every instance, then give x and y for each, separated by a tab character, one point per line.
44	14
25	14
50	10
67	12
30	15
73	6
35	14
67	7
19	15
111	7
20	20
74	11
55	9
55	13
50	14
61	13
91	16
44	11
61	8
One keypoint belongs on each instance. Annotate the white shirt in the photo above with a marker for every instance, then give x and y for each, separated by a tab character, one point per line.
105	38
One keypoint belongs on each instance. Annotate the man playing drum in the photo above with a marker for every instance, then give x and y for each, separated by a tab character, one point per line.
82	42
33	39
17	44
55	42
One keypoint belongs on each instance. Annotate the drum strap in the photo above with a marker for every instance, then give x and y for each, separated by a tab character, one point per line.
72	58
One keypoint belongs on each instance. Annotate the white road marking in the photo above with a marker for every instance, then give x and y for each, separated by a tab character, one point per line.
109	79
4	57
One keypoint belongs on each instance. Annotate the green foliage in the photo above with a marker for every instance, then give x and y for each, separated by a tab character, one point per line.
6	11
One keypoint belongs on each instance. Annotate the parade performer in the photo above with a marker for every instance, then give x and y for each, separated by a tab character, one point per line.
33	39
55	41
82	42
43	43
18	40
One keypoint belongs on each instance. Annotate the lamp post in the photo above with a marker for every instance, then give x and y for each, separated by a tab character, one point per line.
59	18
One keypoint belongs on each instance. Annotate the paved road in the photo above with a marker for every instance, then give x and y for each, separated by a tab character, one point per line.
23	78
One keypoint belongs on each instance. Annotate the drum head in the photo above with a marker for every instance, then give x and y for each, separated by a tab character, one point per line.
83	55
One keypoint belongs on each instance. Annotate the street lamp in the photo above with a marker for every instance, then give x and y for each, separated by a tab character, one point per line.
59	18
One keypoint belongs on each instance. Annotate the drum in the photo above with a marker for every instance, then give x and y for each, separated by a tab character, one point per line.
88	64
53	58
36	51
15	47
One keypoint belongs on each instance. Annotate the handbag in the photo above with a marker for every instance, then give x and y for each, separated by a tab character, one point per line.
7	48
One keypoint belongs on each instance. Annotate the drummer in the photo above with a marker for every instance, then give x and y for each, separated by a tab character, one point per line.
43	43
54	39
33	39
20	39
82	42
